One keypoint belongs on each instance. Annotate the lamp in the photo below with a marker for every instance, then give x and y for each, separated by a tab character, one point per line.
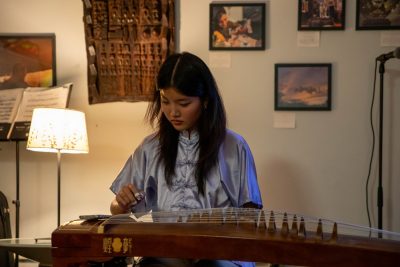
58	131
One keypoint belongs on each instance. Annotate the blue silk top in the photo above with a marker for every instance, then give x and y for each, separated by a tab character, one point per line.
231	183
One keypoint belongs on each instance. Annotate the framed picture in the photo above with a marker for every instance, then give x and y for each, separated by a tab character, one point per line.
237	26
378	15
321	15
303	86
27	60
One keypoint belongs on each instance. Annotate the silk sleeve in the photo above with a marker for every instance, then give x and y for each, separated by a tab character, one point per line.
238	171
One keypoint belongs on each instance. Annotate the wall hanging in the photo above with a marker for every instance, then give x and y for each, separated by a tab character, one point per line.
126	42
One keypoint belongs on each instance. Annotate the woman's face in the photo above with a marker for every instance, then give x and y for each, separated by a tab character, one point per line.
223	21
182	111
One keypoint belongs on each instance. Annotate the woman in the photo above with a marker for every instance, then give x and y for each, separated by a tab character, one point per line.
192	161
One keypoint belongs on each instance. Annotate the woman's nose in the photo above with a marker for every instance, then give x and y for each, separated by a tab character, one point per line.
175	112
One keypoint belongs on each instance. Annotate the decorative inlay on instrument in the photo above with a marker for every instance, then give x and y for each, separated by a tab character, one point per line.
232	234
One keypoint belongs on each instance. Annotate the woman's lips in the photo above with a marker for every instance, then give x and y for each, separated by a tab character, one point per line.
176	122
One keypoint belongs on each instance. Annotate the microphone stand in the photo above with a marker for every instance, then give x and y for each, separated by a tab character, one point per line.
380	188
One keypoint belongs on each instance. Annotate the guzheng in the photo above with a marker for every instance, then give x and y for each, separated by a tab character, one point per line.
231	234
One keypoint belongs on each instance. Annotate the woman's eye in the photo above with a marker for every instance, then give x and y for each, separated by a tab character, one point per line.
185	104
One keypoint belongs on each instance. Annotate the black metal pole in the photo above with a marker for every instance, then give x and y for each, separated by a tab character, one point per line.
16	201
380	188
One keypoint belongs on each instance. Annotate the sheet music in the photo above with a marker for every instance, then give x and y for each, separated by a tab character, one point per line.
9	100
41	97
35	97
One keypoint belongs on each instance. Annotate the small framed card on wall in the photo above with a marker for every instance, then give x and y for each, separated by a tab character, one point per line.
27	60
321	15
237	26
303	86
378	15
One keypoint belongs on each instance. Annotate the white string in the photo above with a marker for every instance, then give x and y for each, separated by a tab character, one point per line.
247	216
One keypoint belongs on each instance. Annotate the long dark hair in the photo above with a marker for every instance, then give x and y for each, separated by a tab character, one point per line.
189	75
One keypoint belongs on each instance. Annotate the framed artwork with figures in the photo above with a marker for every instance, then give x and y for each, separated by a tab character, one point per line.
237	26
321	15
378	15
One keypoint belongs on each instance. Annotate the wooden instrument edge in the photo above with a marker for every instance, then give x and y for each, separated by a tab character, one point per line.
215	241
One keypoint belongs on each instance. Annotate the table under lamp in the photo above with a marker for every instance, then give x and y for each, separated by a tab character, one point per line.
58	131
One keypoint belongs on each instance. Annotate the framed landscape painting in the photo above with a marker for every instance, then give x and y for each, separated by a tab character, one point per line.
303	86
27	60
237	26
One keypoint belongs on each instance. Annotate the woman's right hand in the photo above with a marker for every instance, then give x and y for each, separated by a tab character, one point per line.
127	197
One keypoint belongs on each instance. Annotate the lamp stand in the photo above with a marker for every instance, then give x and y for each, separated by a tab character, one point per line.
57	131
58	185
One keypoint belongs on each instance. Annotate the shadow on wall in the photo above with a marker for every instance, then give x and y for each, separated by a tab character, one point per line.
392	141
287	188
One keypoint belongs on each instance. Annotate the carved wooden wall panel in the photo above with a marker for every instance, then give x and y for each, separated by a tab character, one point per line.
126	42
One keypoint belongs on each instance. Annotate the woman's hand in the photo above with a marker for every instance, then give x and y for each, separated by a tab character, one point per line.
125	199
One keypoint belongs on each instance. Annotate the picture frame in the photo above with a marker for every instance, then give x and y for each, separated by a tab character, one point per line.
323	15
303	86
27	60
237	26
377	15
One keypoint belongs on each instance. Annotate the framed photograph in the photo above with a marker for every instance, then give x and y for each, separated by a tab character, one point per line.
321	15
378	15
237	26
27	60
303	86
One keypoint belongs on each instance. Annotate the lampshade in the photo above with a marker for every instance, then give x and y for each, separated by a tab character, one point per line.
58	130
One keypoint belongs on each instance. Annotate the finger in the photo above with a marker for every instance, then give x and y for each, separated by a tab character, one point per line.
138	195
122	200
128	194
125	196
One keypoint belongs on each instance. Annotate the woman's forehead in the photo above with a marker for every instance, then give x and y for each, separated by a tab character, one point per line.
173	93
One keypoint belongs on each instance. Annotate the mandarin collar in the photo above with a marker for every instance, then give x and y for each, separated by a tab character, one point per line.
191	138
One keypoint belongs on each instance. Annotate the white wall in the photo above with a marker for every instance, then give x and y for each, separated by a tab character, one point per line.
319	168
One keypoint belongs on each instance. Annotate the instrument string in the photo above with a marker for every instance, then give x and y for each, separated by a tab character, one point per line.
257	217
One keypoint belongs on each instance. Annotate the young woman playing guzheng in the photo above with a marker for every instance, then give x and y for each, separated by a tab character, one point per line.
192	161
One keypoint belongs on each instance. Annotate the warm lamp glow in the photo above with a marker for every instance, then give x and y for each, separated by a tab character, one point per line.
58	130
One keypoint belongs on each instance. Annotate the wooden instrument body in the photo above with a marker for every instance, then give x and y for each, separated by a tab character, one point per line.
99	240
